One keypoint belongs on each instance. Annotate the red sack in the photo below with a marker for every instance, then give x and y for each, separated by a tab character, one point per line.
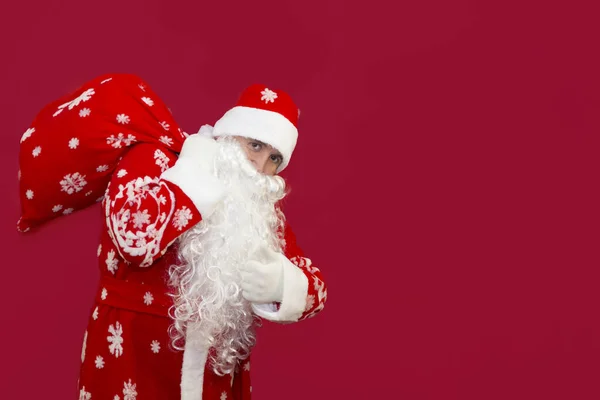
71	150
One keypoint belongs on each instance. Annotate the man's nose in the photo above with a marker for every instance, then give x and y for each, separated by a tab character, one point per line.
260	163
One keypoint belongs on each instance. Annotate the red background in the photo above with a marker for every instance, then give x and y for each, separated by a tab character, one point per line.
446	182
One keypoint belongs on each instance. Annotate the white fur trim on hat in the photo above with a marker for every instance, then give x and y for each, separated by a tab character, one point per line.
267	126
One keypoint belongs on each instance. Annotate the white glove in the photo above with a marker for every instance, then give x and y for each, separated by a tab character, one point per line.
194	171
262	281
200	150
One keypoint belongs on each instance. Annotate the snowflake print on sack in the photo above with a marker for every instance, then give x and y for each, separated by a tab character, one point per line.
85	112
148	298
142	87
29	194
106	80
27	134
95	314
247	366
83	395
155	346
115	340
104	294
68	211
112	263
102	168
83	97
129	391
89	193
223	396
57	208
120	140
166	140
123	119
268	96
165	125
73	143
99	362
36	152
73	183
161	160
121	173
148	101
99	250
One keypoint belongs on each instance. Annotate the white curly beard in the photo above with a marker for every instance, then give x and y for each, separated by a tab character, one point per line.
208	305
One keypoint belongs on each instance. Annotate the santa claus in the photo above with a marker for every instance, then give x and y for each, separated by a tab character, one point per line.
194	252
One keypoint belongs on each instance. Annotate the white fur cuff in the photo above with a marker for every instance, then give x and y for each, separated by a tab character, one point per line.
204	190
295	291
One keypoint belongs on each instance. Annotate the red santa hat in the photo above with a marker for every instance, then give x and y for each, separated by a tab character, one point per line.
267	115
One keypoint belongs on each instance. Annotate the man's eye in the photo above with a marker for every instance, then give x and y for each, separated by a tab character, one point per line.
255	146
276	159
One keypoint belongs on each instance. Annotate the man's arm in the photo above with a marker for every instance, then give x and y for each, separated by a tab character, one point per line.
304	289
154	197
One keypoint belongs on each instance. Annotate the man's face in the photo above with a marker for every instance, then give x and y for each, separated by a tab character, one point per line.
264	157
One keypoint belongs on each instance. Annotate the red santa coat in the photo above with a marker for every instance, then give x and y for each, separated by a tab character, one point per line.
115	131
126	350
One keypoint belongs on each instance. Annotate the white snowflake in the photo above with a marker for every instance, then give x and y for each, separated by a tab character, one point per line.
73	143
121	173
104	294
116	339
102	168
85	112
89	193
99	362
142	87
166	140
165	125
117	397
57	208
120	140
148	298
268	96
72	183
95	314
155	346
129	392
106	80
29	194
83	395
36	152
99	249
112	263
148	101
140	218
181	218
223	396
99	199
68	211
84	346
27	134
161	160
123	119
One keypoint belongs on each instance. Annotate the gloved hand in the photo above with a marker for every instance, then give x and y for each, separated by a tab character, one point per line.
262	276
200	150
194	173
